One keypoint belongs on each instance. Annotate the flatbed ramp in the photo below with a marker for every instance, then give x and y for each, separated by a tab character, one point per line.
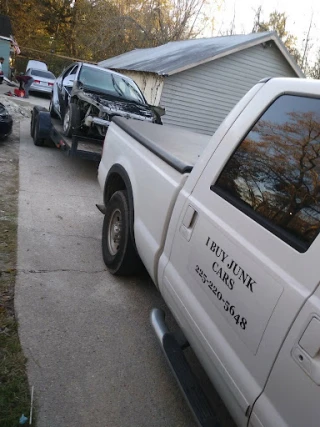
78	145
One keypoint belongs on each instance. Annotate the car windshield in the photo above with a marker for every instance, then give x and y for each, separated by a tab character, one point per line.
45	74
114	84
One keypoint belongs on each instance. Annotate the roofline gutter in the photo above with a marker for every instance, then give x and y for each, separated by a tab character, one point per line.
126	70
272	36
8	39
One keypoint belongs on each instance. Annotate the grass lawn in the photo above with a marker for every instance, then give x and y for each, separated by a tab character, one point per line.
14	389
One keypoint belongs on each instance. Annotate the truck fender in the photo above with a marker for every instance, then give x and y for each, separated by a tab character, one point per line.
118	179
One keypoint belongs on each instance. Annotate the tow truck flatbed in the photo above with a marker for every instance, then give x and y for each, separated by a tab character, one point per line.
44	127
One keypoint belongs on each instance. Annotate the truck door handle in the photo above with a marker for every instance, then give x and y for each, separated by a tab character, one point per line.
310	340
188	222
309	359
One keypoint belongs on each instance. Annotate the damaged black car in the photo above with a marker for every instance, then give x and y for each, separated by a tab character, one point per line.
5	122
86	97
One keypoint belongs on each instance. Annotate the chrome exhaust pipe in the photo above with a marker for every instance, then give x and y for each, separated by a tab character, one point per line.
89	120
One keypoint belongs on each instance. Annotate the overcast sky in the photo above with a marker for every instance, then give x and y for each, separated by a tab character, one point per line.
299	14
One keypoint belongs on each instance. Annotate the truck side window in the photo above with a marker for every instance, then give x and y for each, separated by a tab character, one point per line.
273	176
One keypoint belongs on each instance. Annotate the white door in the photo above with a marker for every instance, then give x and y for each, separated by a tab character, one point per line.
243	259
292	394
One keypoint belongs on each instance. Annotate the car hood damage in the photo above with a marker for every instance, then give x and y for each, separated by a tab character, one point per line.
113	107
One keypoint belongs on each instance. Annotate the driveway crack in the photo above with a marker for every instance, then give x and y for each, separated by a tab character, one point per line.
50	233
64	195
60	270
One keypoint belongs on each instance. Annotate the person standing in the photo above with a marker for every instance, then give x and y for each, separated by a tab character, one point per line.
25	83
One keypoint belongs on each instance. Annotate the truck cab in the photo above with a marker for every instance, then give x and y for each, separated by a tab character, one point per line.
238	264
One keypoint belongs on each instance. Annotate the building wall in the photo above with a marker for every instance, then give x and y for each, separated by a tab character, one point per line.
150	84
201	97
5	53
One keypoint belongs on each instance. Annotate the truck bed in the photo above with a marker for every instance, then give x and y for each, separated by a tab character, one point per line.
180	148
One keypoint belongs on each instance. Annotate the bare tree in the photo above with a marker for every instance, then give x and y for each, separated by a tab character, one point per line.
314	71
257	20
97	29
148	23
277	21
228	29
304	63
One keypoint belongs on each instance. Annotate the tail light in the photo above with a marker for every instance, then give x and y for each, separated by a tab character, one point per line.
37	81
50	84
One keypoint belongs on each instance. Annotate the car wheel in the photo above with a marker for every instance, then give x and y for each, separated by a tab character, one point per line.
71	120
53	114
119	253
36	140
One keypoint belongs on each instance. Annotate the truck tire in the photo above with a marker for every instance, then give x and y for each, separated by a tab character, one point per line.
118	250
36	139
32	124
71	120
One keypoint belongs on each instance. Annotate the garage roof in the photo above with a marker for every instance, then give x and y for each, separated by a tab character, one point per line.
177	56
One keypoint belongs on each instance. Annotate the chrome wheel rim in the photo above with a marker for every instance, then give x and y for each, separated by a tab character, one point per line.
66	120
114	232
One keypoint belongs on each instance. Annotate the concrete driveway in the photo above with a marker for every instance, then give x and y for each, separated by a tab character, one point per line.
35	98
92	356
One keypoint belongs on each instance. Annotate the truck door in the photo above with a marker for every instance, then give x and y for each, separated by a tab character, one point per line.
291	396
244	259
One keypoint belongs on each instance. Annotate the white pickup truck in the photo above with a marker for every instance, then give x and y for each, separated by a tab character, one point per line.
227	227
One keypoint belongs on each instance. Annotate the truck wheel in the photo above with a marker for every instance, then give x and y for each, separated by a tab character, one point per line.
37	141
71	120
118	250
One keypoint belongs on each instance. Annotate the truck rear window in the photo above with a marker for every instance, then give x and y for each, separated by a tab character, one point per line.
273	176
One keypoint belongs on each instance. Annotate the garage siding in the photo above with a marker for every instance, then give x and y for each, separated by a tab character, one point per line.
199	98
150	84
5	53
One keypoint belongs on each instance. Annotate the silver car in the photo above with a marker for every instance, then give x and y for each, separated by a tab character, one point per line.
86	97
43	80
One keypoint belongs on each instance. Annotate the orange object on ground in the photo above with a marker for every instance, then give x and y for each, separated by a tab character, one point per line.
19	93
